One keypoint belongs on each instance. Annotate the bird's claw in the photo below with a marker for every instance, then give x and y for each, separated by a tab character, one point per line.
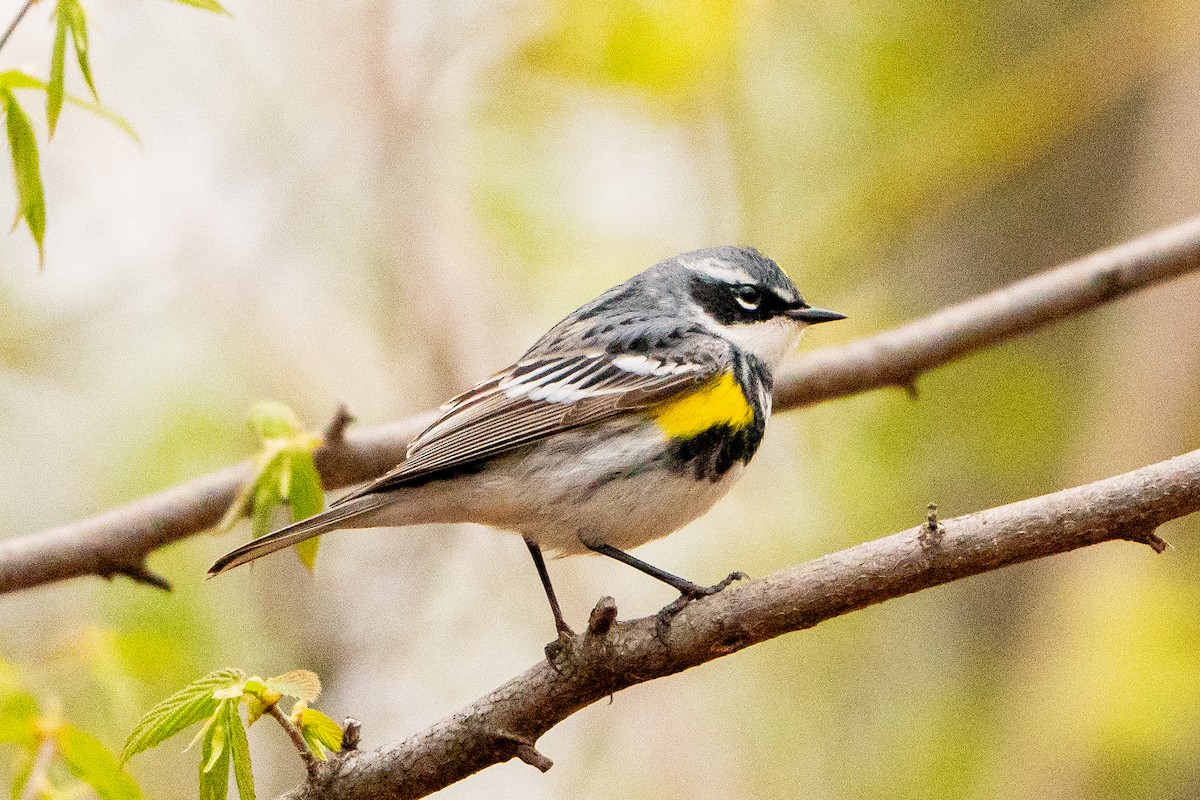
688	593
716	587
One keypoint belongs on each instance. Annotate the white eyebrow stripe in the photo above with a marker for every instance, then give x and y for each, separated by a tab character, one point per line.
716	270
786	295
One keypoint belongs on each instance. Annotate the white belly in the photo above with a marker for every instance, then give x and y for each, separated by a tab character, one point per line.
629	513
581	488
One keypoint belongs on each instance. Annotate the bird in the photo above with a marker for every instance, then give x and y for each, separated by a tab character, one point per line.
624	422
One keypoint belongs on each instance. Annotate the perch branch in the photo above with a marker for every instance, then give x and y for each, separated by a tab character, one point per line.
118	541
508	722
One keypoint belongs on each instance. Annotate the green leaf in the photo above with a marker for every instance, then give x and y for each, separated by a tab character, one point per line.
79	37
18	719
238	509
207	5
268	495
285	472
15	79
58	72
10	681
284	475
272	420
90	761
214	757
255	708
18	711
239	749
190	705
22	770
305	494
208	723
301	684
27	173
216	734
69	18
306	498
319	731
257	697
306	551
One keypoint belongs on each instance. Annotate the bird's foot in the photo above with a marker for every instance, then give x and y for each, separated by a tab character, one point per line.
688	593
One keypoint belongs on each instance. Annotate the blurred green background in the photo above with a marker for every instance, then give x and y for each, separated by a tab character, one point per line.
381	202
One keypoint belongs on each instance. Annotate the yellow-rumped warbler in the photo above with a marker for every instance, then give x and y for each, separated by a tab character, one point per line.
623	423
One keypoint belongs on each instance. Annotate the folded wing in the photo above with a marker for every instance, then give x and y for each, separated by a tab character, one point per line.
539	397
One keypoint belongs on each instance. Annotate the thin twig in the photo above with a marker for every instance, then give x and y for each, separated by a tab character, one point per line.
893	358
311	764
601	620
139	573
12	26
1129	506
351	736
335	431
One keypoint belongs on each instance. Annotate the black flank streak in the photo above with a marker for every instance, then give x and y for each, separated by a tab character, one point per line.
712	453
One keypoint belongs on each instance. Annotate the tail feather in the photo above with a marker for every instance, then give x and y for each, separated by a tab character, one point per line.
295	533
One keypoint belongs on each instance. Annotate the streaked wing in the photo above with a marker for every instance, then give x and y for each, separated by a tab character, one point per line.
535	398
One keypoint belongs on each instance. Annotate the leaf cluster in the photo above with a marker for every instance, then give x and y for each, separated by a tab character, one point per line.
54	757
215	700
70	24
285	474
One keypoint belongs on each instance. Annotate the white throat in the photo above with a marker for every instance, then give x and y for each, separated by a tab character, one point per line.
770	341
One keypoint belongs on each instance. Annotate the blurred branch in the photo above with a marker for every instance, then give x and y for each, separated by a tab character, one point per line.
12	26
508	722
118	541
899	356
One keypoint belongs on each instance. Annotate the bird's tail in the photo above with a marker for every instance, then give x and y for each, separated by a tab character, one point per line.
338	517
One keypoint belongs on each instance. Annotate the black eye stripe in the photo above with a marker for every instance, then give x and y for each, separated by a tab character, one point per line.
727	305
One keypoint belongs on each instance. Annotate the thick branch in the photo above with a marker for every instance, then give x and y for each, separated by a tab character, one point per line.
509	721
118	541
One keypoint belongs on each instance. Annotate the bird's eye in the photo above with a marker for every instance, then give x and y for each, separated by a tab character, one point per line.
748	297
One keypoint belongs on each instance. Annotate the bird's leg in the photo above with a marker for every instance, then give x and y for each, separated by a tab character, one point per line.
565	634
688	591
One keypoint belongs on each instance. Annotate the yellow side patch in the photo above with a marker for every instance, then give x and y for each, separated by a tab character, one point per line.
718	402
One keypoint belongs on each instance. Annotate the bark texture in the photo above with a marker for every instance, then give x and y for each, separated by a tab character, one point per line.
612	656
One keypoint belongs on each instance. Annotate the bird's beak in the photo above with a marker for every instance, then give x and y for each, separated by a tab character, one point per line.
812	316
